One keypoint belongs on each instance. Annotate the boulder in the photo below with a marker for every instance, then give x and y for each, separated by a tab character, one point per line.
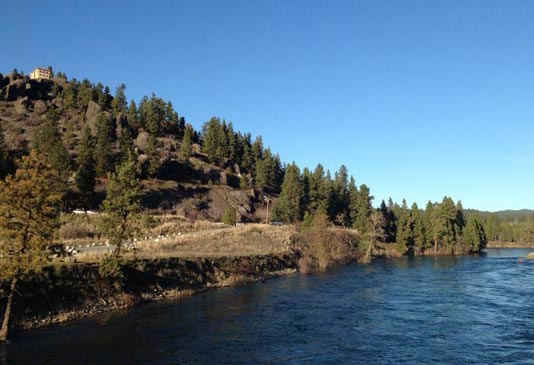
21	106
142	140
90	115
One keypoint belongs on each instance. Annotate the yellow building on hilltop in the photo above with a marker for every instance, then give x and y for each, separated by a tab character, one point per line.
40	73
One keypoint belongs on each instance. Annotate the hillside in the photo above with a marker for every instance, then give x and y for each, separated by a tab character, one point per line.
194	186
84	133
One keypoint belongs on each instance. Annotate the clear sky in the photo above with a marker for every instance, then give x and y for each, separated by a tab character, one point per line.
419	99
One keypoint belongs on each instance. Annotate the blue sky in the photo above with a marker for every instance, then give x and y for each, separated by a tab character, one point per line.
419	99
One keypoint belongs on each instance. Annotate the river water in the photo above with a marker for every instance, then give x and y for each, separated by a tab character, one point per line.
424	310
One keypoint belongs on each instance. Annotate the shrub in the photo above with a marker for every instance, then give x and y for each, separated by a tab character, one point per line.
229	216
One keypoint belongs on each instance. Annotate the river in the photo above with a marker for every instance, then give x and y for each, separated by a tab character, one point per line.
423	310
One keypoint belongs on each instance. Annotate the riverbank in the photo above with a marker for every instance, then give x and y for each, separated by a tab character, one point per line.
500	244
73	290
70	292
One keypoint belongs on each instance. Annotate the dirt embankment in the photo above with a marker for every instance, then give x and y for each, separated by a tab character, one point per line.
69	292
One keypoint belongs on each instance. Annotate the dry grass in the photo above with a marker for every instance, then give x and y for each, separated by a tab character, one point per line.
176	236
252	239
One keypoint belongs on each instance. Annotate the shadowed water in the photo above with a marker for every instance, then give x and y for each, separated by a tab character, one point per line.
463	310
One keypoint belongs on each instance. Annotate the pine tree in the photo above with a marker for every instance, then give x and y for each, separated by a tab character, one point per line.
103	154
474	235
187	144
288	207
354	198
122	204
430	221
215	141
319	190
152	162
170	124
46	141
339	207
364	209
404	236
126	145
417	228
86	173
29	219
119	101
133	117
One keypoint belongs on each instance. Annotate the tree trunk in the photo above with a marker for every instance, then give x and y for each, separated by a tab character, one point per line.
7	313
435	246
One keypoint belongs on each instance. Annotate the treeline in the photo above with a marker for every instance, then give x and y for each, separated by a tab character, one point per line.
440	226
507	226
144	129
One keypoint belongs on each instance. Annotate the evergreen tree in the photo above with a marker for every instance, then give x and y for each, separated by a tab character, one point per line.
122	204
354	198
232	143
215	142
133	118
103	154
126	145
403	237
152	162
364	209
29	219
474	235
430	220
170	121
86	173
319	191
119	101
187	144
339	207
418	228
46	141
288	207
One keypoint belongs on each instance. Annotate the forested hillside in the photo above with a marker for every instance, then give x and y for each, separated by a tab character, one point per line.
84	132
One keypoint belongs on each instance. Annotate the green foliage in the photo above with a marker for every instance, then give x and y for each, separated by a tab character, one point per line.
229	215
474	236
215	141
153	114
288	207
46	141
133	117
110	267
122	204
363	209
126	145
186	144
86	173
29	216
103	153
153	156
119	101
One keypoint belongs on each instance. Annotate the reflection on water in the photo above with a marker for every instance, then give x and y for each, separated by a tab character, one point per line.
448	310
